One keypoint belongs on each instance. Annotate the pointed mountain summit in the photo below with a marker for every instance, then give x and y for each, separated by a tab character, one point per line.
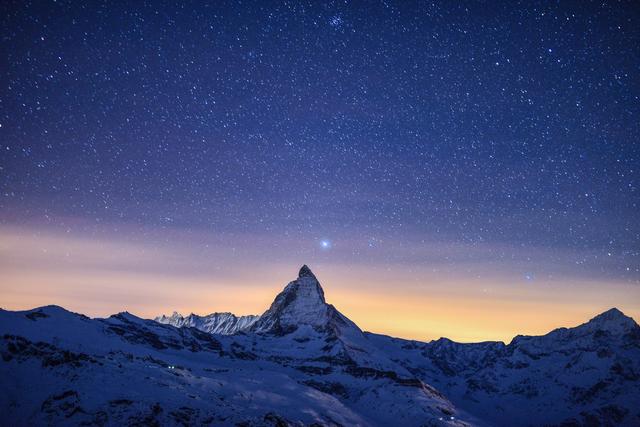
301	302
305	271
612	320
613	314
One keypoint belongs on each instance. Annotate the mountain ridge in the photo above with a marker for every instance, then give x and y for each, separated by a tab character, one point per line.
605	317
302	362
223	323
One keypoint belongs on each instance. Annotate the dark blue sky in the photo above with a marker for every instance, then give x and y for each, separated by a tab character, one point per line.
512	124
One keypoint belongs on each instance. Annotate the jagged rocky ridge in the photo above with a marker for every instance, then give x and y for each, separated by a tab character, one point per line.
301	363
214	323
301	302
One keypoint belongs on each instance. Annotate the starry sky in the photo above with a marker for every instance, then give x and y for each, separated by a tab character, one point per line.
465	169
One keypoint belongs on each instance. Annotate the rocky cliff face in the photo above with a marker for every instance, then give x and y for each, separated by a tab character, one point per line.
301	303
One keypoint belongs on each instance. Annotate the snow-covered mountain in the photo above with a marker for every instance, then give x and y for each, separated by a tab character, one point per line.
301	303
214	323
304	363
587	375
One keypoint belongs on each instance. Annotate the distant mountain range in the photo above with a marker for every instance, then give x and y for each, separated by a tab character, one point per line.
302	362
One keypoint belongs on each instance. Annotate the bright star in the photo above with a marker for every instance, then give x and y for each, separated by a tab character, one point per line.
325	244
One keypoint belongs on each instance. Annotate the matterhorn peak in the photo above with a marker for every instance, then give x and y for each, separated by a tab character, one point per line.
301	302
305	271
307	285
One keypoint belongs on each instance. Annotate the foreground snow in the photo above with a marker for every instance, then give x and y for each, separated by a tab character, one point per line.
301	363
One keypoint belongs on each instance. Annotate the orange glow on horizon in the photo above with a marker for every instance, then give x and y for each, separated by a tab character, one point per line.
99	277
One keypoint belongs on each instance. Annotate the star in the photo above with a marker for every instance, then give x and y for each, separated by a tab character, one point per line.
335	21
420	136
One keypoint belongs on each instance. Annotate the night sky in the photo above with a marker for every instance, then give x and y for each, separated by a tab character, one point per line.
479	157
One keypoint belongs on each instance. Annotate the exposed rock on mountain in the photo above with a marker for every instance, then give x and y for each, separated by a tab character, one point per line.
214	323
301	303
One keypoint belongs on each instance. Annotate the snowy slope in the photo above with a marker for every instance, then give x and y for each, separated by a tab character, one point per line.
303	362
587	375
64	368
